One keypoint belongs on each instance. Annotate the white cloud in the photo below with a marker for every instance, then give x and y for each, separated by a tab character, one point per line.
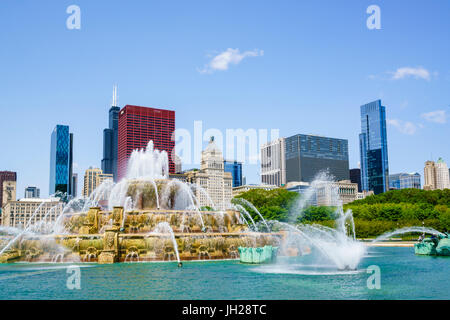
417	73
438	116
404	127
223	60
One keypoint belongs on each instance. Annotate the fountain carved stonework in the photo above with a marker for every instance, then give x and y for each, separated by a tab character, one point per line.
144	235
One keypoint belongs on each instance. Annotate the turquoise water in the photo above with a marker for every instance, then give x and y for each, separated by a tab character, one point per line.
403	276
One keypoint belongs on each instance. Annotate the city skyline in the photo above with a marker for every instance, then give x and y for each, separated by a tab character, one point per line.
411	82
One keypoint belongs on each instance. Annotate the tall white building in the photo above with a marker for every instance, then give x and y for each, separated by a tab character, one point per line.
442	175
436	175
215	182
429	174
273	163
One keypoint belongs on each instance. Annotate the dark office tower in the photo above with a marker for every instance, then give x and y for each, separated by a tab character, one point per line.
110	139
308	155
4	189
235	168
74	185
61	158
139	125
355	177
373	148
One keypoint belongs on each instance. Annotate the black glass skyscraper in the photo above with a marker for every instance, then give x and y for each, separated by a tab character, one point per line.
61	159
110	139
373	148
308	155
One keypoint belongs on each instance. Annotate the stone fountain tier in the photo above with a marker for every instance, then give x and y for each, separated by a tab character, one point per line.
113	246
144	221
155	194
119	236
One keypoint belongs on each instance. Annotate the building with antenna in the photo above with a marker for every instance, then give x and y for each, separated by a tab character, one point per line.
110	139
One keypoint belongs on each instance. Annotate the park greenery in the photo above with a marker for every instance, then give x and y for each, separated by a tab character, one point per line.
373	215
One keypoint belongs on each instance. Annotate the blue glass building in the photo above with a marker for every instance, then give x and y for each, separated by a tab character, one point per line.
61	159
373	148
110	139
308	155
404	181
235	168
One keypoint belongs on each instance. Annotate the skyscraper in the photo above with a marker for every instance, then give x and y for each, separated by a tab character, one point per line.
137	126
61	159
273	163
212	178
355	177
93	177
442	175
74	185
110	139
32	192
308	155
235	168
429	173
373	148
7	187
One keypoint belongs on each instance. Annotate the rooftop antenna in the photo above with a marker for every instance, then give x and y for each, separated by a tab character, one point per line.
114	101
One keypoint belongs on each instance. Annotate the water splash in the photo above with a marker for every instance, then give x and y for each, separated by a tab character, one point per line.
387	235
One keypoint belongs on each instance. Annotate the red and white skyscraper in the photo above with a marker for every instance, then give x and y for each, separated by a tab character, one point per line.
137	126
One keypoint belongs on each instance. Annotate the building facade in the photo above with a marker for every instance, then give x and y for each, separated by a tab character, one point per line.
32	192
429	174
330	194
235	168
137	126
94	177
110	139
21	213
247	187
355	177
308	155
373	148
442	175
8	181
273	163
212	179
404	181
436	175
61	159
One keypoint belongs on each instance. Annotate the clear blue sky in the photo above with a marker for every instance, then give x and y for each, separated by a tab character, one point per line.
320	63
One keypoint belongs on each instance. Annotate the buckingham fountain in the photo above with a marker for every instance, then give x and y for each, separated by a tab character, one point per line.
144	217
149	217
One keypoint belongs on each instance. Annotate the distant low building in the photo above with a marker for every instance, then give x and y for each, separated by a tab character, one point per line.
302	188
404	181
248	187
329	194
364	194
21	213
